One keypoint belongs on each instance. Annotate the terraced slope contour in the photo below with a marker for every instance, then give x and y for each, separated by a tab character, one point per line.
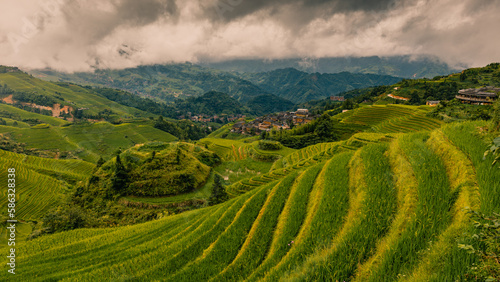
394	208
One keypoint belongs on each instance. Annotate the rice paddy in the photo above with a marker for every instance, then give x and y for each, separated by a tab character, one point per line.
385	206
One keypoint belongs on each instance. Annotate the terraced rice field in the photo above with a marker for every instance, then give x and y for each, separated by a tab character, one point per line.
306	153
228	150
231	150
87	141
40	182
392	210
394	118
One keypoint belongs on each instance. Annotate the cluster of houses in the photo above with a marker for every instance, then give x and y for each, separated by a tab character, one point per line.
337	98
279	121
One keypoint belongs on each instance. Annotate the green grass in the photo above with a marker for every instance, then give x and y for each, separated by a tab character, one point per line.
257	243
222	248
228	150
148	237
102	138
43	139
431	214
329	196
235	171
247	184
406	185
375	114
80	258
444	252
372	205
237	150
289	222
467	137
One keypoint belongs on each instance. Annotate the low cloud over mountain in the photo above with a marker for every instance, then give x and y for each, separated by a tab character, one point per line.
80	35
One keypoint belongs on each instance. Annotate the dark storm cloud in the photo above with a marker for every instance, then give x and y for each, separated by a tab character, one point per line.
291	12
478	6
94	24
144	12
81	34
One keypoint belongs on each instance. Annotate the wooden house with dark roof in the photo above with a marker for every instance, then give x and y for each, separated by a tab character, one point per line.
432	103
478	96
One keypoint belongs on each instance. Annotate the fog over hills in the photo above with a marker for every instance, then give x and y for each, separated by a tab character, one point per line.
83	35
401	66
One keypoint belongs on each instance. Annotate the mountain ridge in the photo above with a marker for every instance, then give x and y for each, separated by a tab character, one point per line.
300	87
168	82
401	66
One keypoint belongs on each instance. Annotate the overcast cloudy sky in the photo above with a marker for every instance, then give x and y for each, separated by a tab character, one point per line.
80	34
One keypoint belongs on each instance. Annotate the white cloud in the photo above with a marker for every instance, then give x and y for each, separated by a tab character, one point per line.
74	35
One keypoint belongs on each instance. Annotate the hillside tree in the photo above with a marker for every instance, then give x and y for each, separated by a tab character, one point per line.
120	177
219	193
325	127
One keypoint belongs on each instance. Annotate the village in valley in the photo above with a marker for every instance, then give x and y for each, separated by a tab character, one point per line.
279	121
288	120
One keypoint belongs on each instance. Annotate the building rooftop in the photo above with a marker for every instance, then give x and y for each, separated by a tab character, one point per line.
488	91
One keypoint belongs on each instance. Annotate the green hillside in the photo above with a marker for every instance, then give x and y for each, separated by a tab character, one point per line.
67	94
393	208
168	82
446	87
42	182
400	66
22	116
418	92
156	170
86	141
300	87
82	133
371	118
211	103
164	82
390	197
393	118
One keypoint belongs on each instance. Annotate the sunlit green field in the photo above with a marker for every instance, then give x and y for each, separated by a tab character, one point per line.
377	205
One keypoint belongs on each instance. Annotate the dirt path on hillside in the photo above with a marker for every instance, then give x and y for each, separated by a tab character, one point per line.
56	110
8	99
398	97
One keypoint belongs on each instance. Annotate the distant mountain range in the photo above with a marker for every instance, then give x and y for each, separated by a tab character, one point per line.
400	66
168	82
163	82
300	87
